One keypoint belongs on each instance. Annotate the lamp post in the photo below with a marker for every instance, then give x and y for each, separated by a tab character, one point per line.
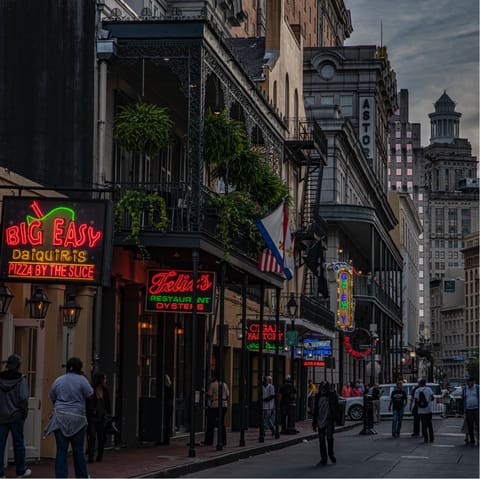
292	311
413	364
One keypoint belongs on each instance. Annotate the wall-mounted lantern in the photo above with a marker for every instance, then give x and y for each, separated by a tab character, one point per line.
70	312
6	297
38	304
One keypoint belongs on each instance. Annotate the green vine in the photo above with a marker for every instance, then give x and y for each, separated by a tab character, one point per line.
142	128
136	203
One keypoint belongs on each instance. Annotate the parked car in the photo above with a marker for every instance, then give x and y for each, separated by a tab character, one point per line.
354	405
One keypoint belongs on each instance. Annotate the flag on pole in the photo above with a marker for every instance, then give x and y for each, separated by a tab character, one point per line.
280	242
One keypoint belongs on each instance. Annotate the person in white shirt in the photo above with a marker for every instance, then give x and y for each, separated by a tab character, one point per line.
268	404
425	409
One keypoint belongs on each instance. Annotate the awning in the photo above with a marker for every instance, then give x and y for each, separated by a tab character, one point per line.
305	323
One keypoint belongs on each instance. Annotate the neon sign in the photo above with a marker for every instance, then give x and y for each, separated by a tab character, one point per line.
314	363
170	291
345	301
271	340
54	240
353	352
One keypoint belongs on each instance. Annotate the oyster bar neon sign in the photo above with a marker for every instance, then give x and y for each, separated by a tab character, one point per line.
171	291
53	240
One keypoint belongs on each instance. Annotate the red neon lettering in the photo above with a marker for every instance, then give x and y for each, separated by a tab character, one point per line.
175	282
178	306
58	230
23	234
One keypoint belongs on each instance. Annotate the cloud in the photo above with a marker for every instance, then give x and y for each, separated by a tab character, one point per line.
432	46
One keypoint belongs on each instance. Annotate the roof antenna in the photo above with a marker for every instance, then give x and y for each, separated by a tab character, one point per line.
381	33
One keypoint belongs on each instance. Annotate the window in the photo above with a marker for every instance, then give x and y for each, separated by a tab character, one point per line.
409	171
326	100
398	171
346	104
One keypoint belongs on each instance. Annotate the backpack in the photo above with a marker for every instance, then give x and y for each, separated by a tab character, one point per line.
422	400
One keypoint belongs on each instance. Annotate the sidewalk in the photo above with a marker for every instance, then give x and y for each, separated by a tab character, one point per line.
173	460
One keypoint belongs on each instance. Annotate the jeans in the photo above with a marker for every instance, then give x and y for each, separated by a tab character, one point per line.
397	416
78	452
268	419
326	434
416	421
212	422
16	428
427	427
471	417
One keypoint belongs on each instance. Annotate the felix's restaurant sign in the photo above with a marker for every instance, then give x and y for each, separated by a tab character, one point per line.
171	291
54	240
271	340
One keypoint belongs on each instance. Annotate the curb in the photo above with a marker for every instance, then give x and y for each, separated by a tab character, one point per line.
220	460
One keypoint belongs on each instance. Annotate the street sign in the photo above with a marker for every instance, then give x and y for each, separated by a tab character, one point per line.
292	337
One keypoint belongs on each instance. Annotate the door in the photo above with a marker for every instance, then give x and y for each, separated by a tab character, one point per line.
29	343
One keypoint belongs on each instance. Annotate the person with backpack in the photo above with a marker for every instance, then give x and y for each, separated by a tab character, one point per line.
398	400
414	410
424	397
471	394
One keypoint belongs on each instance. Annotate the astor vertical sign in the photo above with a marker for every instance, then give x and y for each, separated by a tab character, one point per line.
367	125
171	291
55	240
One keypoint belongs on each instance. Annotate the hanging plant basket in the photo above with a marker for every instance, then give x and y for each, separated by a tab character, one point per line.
143	209
143	128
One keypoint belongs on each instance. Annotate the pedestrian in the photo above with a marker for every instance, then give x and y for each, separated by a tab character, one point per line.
167	410
98	408
68	422
470	394
311	391
13	412
424	398
346	390
324	413
398	401
414	410
214	410
376	392
268	394
356	390
286	396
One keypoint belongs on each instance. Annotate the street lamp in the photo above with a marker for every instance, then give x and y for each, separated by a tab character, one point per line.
292	311
413	364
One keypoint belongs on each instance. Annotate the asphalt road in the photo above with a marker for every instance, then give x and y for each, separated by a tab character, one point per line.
367	456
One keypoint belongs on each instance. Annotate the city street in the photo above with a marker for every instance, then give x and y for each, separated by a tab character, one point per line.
378	455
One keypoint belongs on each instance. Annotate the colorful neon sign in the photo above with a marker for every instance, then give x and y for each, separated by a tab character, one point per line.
353	352
271	340
345	301
170	291
54	240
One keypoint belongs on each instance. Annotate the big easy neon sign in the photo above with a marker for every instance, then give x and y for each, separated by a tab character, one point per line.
55	240
171	291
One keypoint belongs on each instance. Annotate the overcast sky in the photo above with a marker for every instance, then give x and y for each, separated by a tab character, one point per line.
433	45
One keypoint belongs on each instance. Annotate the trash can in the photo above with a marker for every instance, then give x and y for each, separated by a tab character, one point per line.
340	416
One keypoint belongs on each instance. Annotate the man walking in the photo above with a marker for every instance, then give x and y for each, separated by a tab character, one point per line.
398	400
286	394
268	404
470	394
13	412
424	397
324	413
215	409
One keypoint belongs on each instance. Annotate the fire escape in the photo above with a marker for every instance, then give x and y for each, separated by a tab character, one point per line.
308	148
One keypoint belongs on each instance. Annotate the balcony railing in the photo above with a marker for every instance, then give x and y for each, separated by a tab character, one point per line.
364	286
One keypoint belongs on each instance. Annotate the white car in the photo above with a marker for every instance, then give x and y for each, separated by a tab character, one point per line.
354	405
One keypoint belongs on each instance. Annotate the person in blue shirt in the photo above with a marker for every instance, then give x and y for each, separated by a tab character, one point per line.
69	393
470	395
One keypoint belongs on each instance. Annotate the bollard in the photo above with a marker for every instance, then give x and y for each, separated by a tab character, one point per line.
368	415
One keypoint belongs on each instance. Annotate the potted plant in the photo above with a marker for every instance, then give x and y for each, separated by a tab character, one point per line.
141	206
142	127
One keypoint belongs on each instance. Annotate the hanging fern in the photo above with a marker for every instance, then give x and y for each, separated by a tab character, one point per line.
135	204
143	128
